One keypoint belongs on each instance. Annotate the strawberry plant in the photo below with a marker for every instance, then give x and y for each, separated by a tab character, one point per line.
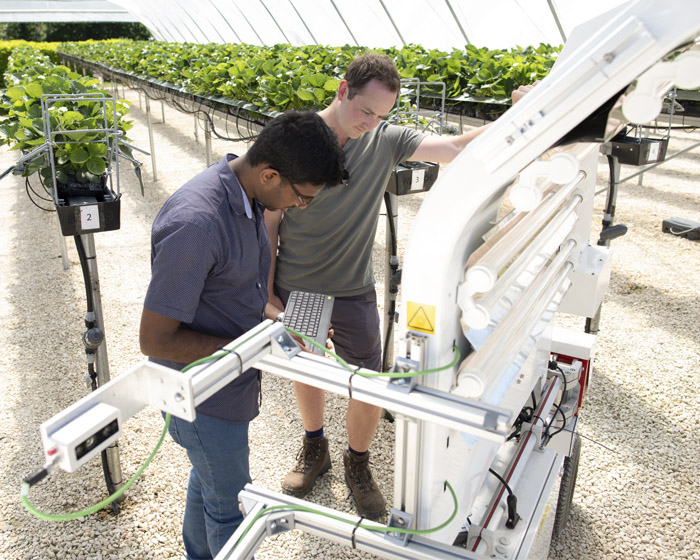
80	156
285	77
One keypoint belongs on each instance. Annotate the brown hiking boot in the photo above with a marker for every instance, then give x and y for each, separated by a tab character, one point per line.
368	498
313	460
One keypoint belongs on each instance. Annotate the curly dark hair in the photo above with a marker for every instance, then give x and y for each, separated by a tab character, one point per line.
302	147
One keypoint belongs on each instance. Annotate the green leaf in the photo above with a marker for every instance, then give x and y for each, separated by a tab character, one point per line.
97	150
62	157
15	93
316	80
61	176
36	165
84	176
8	130
34	111
96	165
71	117
79	155
305	94
319	94
35	90
331	85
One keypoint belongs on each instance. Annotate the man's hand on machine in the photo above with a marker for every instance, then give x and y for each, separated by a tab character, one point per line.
522	91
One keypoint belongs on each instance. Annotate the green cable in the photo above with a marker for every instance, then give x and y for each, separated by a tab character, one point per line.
394	374
373	527
92	509
24	492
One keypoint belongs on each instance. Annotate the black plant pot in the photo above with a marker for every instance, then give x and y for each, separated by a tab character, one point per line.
87	207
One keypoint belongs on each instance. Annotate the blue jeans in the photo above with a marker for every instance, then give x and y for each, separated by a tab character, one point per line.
218	452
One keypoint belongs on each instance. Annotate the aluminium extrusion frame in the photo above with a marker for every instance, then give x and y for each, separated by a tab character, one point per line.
339	527
269	347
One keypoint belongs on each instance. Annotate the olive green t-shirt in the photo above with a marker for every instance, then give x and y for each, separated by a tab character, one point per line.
327	247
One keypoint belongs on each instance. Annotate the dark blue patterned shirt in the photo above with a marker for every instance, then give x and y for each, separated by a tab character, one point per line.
210	259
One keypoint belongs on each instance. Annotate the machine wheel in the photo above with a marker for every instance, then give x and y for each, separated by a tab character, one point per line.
566	488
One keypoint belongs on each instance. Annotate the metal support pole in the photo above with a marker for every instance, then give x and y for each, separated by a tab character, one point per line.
62	246
162	110
196	128
207	141
640	180
101	361
150	138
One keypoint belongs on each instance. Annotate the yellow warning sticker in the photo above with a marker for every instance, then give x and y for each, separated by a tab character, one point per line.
420	317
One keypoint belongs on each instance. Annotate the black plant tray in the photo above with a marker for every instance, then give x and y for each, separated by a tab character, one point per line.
639	151
86	211
412	177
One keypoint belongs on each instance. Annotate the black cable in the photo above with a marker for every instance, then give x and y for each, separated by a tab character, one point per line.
502	480
554	365
511	501
248	135
28	187
593	441
525	415
354	529
390	313
563	424
86	272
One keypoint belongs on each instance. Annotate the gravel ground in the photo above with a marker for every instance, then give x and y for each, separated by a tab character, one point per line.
638	479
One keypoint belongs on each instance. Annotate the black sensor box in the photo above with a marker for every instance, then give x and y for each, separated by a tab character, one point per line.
681	227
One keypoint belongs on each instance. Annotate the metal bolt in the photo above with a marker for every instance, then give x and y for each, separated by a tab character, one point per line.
179	397
609	57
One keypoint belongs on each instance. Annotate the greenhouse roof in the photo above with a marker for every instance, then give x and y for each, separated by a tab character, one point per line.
63	10
443	24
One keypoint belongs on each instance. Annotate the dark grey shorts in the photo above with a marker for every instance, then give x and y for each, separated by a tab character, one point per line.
355	321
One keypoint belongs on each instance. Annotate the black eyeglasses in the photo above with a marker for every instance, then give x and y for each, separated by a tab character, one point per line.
304	200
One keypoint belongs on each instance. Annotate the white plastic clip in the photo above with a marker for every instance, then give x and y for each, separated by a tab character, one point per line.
644	103
560	169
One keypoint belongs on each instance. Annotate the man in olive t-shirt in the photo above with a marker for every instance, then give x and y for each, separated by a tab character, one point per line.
326	247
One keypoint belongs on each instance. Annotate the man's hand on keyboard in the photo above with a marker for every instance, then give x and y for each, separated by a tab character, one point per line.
329	342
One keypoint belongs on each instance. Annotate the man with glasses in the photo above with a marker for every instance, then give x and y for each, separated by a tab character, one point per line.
210	259
327	248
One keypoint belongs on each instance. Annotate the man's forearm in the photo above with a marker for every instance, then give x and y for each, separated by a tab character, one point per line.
186	346
162	337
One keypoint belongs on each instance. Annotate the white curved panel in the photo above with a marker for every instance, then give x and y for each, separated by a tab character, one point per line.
598	63
442	24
